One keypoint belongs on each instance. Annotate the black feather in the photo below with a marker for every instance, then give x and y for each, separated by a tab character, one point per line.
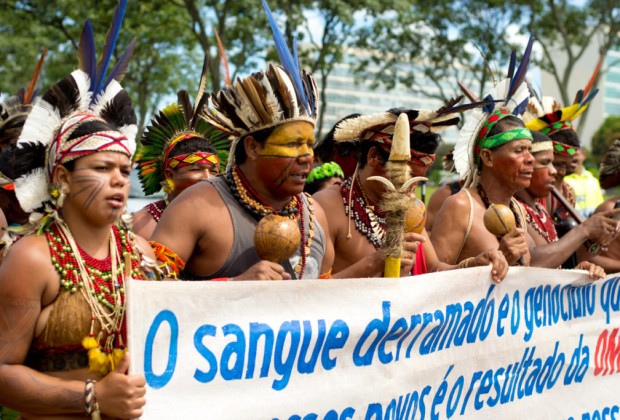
17	161
119	111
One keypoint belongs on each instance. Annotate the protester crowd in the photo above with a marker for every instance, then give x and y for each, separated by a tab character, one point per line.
232	159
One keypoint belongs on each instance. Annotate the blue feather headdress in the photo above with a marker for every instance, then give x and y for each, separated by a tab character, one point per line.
266	99
509	97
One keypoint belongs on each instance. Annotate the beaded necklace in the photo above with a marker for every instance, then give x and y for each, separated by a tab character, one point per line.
247	197
513	204
369	219
101	282
156	209
251	200
538	218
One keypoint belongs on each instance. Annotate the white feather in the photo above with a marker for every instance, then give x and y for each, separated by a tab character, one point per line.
130	131
41	124
352	129
464	162
83	84
290	90
105	97
272	105
32	190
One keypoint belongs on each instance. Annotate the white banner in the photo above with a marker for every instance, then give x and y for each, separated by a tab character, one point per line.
543	344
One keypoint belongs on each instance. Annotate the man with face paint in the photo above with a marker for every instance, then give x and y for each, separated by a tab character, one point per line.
177	150
357	224
548	251
271	116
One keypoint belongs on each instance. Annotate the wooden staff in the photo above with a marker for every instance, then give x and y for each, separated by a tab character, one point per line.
574	214
395	201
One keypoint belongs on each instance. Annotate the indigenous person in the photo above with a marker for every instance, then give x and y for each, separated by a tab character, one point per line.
345	154
324	176
62	302
493	158
357	224
548	251
270	159
177	150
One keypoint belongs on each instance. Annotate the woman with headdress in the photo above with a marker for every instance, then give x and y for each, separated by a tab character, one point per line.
271	116
493	158
62	297
177	150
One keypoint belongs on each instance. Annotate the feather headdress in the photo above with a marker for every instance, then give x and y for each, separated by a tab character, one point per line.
266	99
174	124
88	97
548	117
13	113
509	97
380	127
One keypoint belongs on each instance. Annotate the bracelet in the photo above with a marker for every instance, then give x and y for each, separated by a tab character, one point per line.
465	262
90	397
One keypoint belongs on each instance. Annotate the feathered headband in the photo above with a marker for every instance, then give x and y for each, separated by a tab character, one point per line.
13	113
174	124
380	127
548	117
509	97
83	100
266	99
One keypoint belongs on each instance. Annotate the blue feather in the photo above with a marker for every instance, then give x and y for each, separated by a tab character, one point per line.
519	75
520	109
490	106
589	98
511	65
110	44
118	72
286	59
578	97
87	60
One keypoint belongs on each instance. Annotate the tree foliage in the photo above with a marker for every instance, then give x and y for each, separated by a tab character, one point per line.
604	137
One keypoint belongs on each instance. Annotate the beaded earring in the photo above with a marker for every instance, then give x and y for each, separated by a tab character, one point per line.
58	194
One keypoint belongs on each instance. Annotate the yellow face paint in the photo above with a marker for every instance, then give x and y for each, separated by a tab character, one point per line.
291	140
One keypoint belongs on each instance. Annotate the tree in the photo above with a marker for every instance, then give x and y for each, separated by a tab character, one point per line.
427	46
604	137
158	68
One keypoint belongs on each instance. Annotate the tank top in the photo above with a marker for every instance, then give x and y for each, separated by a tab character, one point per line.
243	254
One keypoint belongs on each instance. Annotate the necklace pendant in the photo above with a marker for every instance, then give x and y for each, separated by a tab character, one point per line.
297	268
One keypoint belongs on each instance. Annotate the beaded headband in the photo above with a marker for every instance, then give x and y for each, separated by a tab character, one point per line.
564	149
